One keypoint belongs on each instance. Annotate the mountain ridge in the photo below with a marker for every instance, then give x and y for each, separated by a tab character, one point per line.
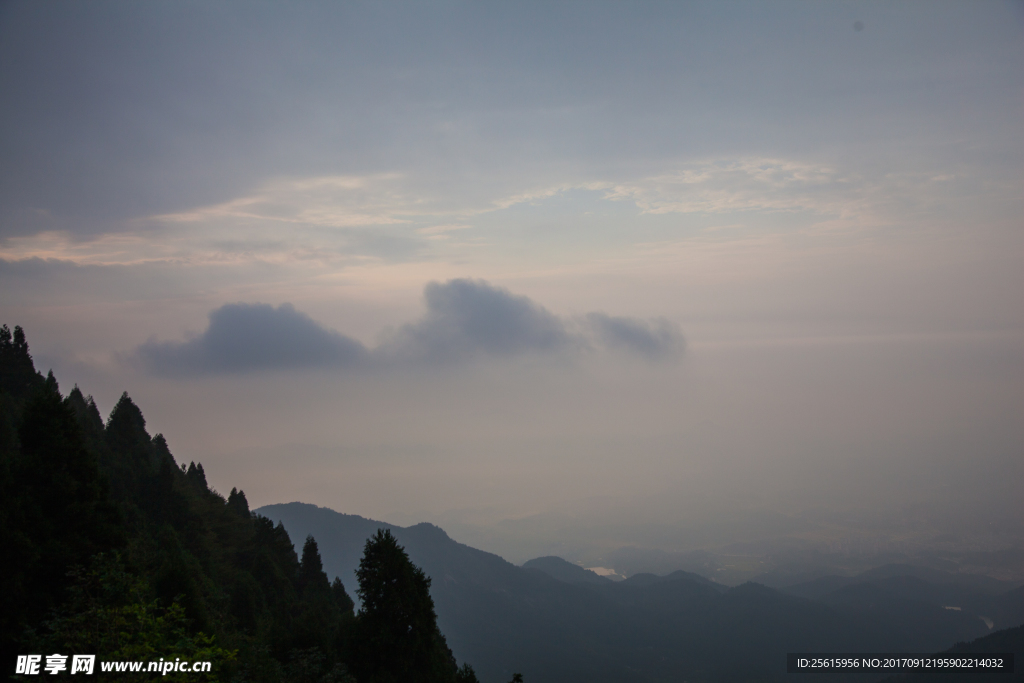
646	629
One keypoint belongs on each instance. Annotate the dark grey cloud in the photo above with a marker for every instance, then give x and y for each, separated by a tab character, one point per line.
655	340
248	337
465	319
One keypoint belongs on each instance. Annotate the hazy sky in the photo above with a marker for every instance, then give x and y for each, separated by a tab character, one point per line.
416	260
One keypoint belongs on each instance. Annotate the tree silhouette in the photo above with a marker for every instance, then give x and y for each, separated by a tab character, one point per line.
311	569
397	639
18	376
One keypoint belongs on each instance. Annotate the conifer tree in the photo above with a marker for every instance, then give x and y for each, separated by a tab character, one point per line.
341	597
397	639
238	503
18	376
196	475
311	569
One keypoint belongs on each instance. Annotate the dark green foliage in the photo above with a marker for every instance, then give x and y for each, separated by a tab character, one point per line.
466	674
320	622
340	596
196	476
89	421
112	548
109	610
237	502
308	666
55	508
397	639
18	376
312	580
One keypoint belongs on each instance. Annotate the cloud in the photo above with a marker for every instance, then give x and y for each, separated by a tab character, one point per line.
353	220
745	184
247	337
327	201
465	320
436	232
655	340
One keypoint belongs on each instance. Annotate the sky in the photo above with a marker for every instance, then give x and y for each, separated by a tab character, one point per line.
625	266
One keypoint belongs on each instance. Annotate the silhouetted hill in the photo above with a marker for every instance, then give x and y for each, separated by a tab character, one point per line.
647	628
679	575
919	625
964	599
1007	640
817	588
1013	604
790	575
484	604
341	537
817	581
630	560
562	570
975	582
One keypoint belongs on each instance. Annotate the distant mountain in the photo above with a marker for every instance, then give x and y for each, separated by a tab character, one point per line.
630	560
1009	640
898	604
540	620
560	569
647	579
900	589
514	619
974	582
818	588
790	577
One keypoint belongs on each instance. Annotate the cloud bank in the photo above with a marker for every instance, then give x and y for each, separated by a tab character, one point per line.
464	320
247	337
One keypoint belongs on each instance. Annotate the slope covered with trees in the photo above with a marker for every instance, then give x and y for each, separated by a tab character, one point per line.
113	549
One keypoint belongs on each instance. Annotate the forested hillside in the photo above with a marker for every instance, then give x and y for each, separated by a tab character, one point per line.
112	548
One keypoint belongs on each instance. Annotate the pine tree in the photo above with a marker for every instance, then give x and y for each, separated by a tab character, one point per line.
196	475
18	376
238	503
397	639
341	597
311	570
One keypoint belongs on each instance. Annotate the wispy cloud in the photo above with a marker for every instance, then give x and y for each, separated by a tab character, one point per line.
442	231
327	201
721	186
395	217
708	186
